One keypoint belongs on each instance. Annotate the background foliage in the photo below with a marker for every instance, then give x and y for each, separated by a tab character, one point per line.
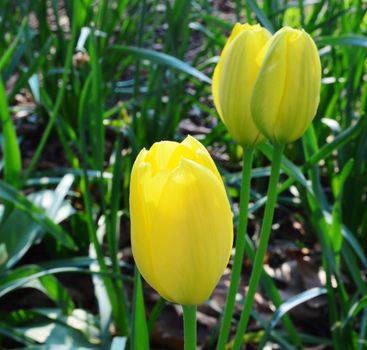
85	85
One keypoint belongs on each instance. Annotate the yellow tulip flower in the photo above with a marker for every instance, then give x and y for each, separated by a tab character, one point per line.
233	81
181	220
287	89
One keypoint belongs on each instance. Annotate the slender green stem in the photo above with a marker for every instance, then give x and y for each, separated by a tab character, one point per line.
240	248
189	315
263	244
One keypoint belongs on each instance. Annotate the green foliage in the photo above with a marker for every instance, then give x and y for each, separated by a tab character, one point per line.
107	78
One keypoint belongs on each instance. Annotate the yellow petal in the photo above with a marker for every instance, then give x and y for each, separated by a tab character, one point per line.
181	221
202	155
286	93
298	106
145	192
192	235
233	79
160	154
269	87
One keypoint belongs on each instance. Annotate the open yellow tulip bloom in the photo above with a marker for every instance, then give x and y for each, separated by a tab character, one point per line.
286	93
233	81
181	220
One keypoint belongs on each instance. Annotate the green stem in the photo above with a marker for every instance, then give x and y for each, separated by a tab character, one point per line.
263	244
189	315
240	248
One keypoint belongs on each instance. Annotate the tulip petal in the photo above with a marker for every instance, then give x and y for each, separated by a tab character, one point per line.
298	106
191	235
269	87
145	192
237	29
233	79
181	221
202	155
160	154
286	92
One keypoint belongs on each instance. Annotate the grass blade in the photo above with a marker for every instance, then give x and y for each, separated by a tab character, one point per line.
11	195
11	152
343	40
260	14
290	304
140	335
6	57
163	59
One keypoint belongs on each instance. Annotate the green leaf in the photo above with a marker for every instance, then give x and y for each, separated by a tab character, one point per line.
288	167
355	309
140	335
96	102
10	332
343	40
119	343
336	236
294	301
163	59
79	320
19	230
3	253
340	140
53	335
33	276
260	14
11	195
10	147
7	55
353	242
288	305
32	69
156	311
25	275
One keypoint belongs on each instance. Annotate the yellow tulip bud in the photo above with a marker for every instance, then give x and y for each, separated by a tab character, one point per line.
287	89
233	81
181	220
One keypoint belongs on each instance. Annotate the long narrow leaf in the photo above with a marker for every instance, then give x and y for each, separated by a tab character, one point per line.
140	336
163	59
344	40
12	160
6	57
290	304
21	202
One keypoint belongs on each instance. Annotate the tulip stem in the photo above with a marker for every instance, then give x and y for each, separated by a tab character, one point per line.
189	316
240	248
263	244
